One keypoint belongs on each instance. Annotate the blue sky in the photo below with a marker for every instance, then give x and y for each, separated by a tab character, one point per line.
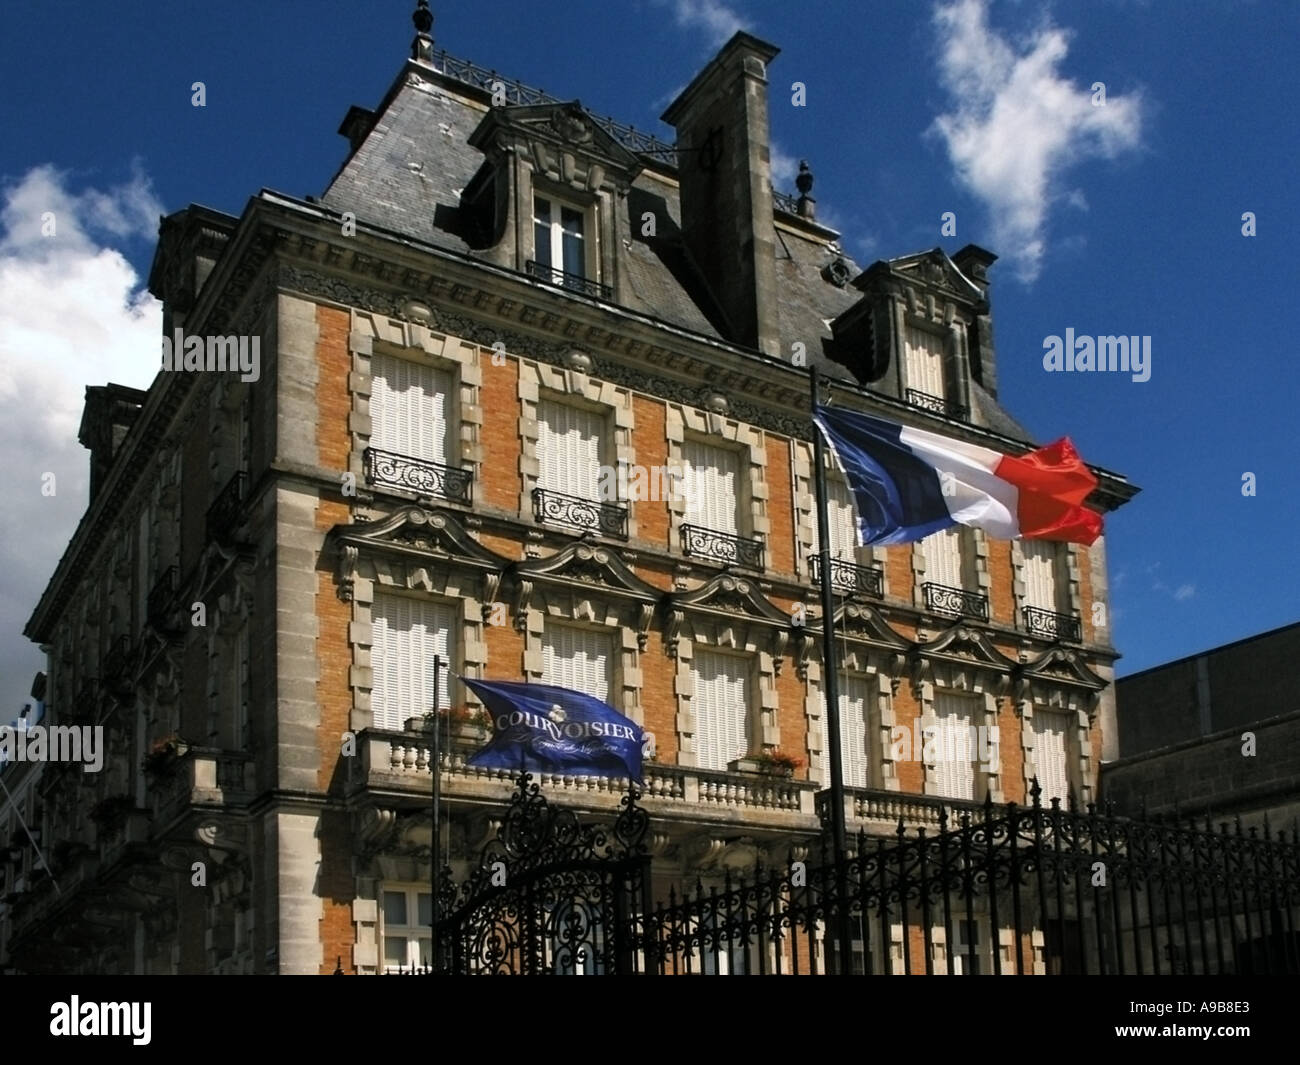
1117	219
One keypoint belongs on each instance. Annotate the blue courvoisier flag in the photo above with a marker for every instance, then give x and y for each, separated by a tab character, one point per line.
544	729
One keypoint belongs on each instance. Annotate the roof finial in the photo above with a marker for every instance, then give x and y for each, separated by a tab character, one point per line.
807	206
422	46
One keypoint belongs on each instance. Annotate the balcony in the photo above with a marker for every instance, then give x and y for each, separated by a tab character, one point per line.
555	508
848	578
573	282
162	599
203	777
387	469
955	602
223	515
398	762
699	542
936	404
1049	625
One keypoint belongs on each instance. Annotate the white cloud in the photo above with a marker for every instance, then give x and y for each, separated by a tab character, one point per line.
1185	592
716	19
785	168
72	313
1016	125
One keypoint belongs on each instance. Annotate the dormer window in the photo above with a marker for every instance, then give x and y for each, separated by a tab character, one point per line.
559	240
559	164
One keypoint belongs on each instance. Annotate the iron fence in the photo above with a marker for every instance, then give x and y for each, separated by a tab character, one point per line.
1002	889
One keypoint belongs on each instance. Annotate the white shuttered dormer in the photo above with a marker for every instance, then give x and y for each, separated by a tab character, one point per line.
925	362
721	705
407	633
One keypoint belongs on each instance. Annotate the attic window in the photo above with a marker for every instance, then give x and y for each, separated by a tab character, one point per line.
563	251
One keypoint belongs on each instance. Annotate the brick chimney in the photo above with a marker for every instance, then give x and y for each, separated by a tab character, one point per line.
725	170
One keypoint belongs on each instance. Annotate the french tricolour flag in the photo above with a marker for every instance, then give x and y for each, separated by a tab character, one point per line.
908	483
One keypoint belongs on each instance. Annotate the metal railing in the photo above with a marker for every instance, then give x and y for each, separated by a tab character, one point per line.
574	512
937	404
955	602
553	275
387	469
1049	625
700	542
850	578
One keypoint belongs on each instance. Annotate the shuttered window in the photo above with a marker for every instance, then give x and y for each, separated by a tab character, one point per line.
843	519
956	744
854	702
1040	573
570	448
1050	755
712	476
410	408
407	633
943	557
721	705
925	361
579	659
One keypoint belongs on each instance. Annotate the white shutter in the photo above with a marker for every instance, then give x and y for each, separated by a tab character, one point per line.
407	633
578	659
956	749
1040	573
925	361
1050	755
569	449
712	483
721	707
409	408
854	701
943	562
843	519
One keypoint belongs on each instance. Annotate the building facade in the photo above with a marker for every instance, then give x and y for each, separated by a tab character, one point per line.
1214	736
531	395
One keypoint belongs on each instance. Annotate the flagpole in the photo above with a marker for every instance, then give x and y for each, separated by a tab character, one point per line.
830	679
435	764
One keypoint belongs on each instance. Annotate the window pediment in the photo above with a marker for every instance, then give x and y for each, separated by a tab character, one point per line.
1056	666
964	649
563	141
417	531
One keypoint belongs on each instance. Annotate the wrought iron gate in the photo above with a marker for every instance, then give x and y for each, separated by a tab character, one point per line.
550	895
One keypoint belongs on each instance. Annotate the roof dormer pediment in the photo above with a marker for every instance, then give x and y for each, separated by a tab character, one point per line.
562	141
929	272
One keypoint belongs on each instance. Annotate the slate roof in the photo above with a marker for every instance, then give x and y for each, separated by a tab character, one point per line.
408	172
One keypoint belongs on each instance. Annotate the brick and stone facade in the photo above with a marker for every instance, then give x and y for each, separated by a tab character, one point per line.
254	509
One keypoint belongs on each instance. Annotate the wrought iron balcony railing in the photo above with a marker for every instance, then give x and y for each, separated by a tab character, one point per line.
556	508
223	515
955	602
1049	625
162	596
573	282
850	578
934	403
722	547
390	470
